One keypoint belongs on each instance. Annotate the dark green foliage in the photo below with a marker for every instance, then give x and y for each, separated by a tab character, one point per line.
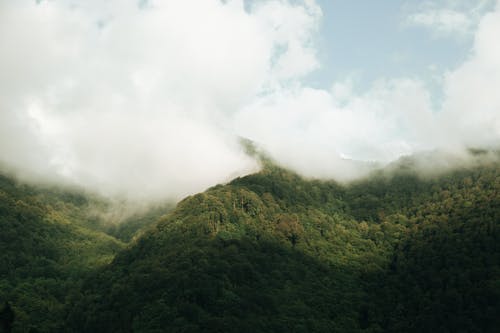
45	252
213	285
270	252
7	317
133	225
273	252
445	275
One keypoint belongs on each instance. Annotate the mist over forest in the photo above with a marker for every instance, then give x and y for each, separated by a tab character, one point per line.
249	166
150	99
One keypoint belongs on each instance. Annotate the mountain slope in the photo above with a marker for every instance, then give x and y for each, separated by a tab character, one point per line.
445	275
275	252
51	239
269	252
46	249
231	260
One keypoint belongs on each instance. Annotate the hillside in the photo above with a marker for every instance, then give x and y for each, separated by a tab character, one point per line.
50	240
274	252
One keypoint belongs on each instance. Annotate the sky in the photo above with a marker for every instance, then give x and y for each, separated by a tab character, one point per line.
418	39
148	99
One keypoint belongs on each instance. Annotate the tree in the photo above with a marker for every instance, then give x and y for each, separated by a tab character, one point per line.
7	317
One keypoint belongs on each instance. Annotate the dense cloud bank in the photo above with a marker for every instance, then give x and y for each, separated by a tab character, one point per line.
148	99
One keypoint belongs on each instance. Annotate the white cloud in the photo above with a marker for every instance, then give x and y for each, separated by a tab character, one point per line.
310	129
128	99
290	27
444	21
449	18
472	103
149	102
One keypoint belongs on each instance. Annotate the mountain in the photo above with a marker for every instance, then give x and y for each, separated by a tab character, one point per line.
274	252
50	239
398	251
45	251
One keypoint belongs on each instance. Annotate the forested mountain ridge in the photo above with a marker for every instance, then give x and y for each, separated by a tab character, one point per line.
275	252
398	251
50	239
45	251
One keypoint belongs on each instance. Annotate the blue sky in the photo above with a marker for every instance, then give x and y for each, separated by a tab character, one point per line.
368	40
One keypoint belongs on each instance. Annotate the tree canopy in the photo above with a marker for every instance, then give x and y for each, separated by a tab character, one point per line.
269	252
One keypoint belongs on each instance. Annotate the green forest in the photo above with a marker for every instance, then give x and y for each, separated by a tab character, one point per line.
396	251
